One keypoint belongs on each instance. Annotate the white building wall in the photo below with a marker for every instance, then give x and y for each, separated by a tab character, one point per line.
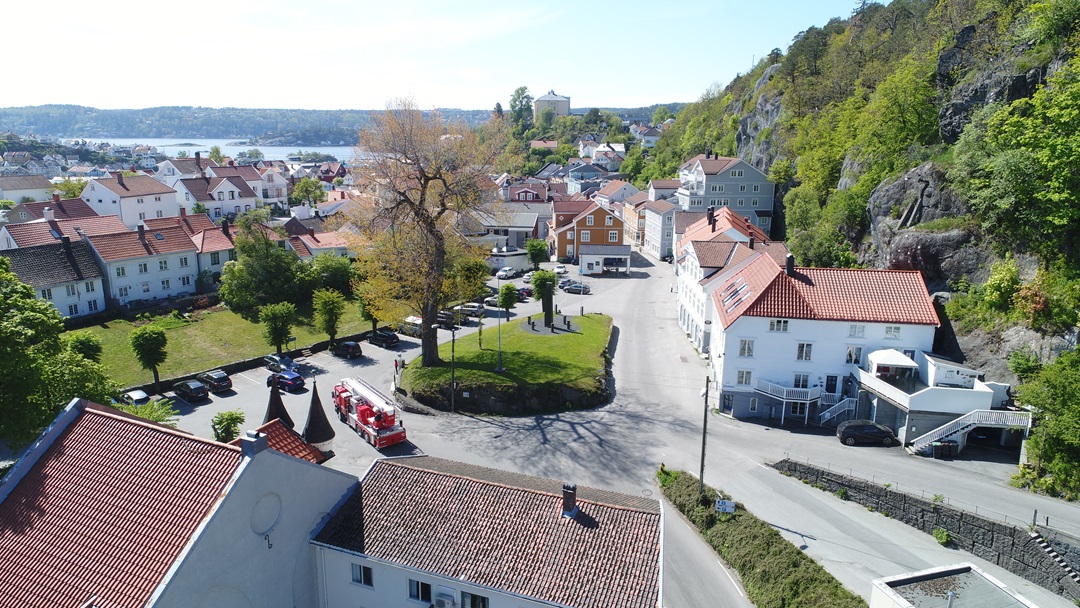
255	551
87	297
148	285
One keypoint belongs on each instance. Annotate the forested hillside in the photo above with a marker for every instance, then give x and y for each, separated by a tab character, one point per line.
937	135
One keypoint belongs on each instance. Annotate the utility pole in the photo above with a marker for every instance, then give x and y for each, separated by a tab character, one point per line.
704	428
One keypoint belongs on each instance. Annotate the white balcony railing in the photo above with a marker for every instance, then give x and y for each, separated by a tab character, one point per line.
847	405
785	393
890	392
991	418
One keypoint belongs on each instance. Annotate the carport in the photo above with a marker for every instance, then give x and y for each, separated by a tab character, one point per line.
604	259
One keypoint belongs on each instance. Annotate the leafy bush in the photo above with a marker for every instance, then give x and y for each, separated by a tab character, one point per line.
775	573
941	535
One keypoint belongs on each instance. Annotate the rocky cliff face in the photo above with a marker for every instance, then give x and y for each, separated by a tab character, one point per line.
759	151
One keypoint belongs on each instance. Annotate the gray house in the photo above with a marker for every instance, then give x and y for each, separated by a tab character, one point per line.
714	181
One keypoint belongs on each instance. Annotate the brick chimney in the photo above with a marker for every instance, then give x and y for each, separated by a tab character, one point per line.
120	179
142	233
789	265
183	212
198	160
311	232
66	241
49	214
56	197
225	226
569	500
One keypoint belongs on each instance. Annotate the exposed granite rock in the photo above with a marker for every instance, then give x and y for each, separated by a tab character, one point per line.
759	152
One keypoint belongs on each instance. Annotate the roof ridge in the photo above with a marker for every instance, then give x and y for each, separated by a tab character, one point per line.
156	427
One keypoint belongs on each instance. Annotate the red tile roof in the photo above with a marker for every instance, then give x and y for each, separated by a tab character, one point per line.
636	199
247	173
826	294
300	247
726	220
505	531
126	245
41	233
665	184
106	510
190	223
207	241
659	206
64	209
134	185
287	441
612	187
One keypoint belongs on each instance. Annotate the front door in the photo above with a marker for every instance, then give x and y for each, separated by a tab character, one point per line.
830	384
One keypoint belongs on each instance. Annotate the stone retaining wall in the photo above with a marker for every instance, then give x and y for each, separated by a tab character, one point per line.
1008	546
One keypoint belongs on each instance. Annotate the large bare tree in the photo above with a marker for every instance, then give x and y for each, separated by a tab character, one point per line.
427	178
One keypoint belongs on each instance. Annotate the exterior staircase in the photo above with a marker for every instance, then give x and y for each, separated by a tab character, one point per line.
843	407
1045	546
991	418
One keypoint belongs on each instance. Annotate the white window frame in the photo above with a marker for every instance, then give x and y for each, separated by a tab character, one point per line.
166	284
46	294
854	355
778	325
183	262
419	591
215	258
613	236
753	404
609	221
801	380
73	309
163	264
71	291
585	236
892	332
92	304
89	287
589	220
362	575
123	291
804	351
746	348
744	377
798	408
856	330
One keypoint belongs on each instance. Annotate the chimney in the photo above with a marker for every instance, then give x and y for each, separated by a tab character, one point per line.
120	178
50	215
569	500
789	265
133	168
66	241
311	232
183	212
252	443
232	164
225	226
751	243
198	160
142	233
56	197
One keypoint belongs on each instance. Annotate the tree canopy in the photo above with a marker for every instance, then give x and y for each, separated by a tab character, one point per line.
148	343
277	320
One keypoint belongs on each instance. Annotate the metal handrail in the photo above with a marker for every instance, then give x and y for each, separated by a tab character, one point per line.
995	418
834	411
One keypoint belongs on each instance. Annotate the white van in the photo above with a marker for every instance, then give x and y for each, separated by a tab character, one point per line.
412	326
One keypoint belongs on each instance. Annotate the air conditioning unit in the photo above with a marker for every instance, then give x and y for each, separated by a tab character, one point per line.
444	601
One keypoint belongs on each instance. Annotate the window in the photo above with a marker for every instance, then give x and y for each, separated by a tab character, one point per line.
746	348
729	402
803	351
71	290
613	236
232	255
798	409
469	600
232	195
802	381
157	199
742	202
163	264
146	287
778	325
757	187
763	222
139	201
892	332
854	355
743	377
92	306
73	309
46	294
165	284
215	258
585	237
714	188
122	292
742	188
419	591
856	331
608	220
753	404
736	173
160	213
589	220
695	202
220	196
183	262
361	575
217	211
121	271
569	235
142	215
721	187
725	202
89	287
185	280
753	202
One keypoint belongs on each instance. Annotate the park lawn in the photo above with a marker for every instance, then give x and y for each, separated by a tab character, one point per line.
571	359
217	337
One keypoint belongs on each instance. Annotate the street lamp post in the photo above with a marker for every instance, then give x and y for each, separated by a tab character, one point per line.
704	429
498	295
453	384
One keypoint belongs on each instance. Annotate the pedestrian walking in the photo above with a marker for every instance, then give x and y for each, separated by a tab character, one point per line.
395	367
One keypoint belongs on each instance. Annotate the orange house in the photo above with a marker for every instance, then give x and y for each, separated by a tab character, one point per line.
593	225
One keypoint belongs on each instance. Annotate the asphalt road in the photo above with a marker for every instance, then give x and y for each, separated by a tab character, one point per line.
655	417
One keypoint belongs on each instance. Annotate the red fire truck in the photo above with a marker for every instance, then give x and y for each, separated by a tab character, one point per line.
369	412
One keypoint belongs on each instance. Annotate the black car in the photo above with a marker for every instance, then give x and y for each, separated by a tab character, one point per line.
524	293
383	337
286	380
864	431
446	318
348	349
216	380
191	390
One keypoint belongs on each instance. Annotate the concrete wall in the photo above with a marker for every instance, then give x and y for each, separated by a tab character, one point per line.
1005	545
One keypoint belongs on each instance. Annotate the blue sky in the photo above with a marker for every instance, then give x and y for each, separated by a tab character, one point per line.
358	54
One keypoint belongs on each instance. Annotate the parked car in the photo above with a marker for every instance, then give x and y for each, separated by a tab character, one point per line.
277	363
563	282
383	337
470	309
286	380
560	269
506	272
579	288
527	277
191	390
447	318
864	431
524	293
347	349
216	380
135	397
412	326
667	258
492	301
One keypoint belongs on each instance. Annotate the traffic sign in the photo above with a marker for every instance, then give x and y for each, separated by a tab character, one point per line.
725	506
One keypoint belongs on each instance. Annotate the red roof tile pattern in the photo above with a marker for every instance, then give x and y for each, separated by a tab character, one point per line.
300	247
505	531
637	198
63	209
714	254
826	294
612	187
208	241
203	188
248	173
323	240
287	441
41	233
133	185
726	220
106	510
188	166
665	184
127	245
191	224
710	165
659	206
685	219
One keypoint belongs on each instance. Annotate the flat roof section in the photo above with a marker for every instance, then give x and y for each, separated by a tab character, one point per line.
972	587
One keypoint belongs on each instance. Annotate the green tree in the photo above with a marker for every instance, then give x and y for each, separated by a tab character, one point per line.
277	320
263	272
308	191
255	154
592	117
429	175
226	425
84	343
149	345
543	284
508	297
332	272
1054	446
328	306
546	120
633	165
216	155
661	114
498	111
521	110
70	188
182	154
538	251
198	207
1002	285
161	411
6	203
364	306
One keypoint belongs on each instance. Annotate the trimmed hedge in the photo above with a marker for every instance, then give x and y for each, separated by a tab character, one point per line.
774	572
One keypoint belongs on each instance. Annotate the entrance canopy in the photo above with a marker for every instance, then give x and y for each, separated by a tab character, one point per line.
890	357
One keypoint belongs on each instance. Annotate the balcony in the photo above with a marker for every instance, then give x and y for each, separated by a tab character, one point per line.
785	393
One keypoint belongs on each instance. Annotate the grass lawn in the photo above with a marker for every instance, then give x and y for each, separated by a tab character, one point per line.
572	359
215	338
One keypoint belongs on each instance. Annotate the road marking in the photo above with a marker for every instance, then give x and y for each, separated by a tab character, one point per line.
737	588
